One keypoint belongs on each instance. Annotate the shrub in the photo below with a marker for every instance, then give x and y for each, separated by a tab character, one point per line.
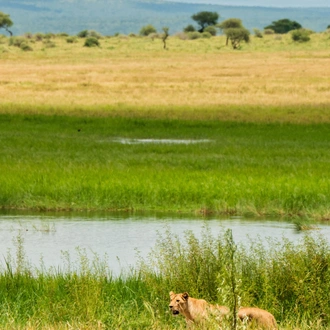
147	29
16	41
94	34
25	46
82	34
194	35
269	31
49	44
258	33
49	35
301	35
28	35
38	36
189	28
211	29
71	40
89	33
91	42
3	39
206	35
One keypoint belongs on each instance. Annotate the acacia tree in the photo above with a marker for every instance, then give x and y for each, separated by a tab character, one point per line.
147	29
165	35
283	26
230	23
236	35
205	18
5	22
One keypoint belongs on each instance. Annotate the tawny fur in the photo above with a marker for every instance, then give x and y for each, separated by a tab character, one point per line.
259	317
194	310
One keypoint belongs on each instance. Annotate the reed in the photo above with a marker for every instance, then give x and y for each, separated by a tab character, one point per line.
290	280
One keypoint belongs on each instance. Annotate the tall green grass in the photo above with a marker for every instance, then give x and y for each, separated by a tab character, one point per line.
290	280
71	163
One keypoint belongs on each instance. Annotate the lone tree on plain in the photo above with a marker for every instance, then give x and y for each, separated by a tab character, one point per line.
165	36
230	23
283	26
237	35
147	29
205	18
5	22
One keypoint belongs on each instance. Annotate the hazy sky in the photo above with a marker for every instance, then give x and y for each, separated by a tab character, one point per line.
263	3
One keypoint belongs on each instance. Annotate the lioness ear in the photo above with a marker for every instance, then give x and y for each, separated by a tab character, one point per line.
172	294
185	295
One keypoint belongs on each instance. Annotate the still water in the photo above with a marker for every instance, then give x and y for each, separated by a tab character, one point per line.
48	240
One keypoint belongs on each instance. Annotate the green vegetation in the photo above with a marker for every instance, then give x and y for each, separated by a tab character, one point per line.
283	26
301	35
147	29
5	22
72	162
92	42
290	280
205	19
235	32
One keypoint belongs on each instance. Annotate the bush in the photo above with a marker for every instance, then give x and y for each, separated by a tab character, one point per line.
38	36
71	40
49	35
16	41
25	46
269	31
28	35
82	34
301	35
94	34
258	33
189	28
147	29
49	44
89	33
91	42
211	29
194	35
206	35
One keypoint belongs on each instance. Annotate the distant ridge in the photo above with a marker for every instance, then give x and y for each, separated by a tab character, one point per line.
128	16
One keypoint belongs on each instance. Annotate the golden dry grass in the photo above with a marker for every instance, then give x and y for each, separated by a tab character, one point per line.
137	73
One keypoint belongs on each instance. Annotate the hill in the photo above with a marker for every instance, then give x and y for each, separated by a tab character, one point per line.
128	16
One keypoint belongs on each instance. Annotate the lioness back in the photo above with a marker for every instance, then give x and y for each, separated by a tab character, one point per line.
261	317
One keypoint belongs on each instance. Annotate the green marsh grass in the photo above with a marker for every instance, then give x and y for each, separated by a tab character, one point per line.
76	163
291	280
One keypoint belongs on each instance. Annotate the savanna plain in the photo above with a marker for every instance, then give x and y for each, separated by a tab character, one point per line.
195	128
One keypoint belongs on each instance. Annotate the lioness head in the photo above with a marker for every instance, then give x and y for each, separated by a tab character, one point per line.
178	302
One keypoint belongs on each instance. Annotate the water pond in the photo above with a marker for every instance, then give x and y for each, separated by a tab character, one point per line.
48	239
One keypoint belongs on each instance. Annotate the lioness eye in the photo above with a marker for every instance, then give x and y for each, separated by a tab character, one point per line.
178	301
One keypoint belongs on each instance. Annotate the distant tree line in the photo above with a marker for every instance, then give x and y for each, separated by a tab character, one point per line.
207	26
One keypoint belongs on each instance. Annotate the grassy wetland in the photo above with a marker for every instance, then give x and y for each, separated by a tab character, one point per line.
196	128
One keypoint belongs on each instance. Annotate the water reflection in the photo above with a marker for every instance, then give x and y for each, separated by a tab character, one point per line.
120	236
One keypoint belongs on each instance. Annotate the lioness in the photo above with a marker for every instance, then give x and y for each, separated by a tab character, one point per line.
258	317
194	310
